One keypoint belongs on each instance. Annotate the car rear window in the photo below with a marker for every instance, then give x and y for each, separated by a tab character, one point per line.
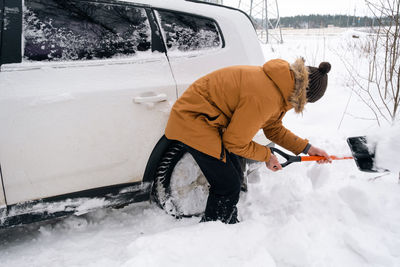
186	32
56	30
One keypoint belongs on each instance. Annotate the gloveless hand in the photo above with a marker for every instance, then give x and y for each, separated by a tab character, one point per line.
273	163
315	151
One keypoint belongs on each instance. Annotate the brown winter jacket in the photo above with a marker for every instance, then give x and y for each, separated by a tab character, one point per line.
227	107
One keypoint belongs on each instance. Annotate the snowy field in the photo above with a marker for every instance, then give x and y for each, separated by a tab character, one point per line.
306	215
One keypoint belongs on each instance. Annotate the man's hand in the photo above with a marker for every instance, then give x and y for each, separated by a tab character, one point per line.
315	151
273	163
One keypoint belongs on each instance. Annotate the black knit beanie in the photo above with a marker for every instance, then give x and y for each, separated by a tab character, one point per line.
317	81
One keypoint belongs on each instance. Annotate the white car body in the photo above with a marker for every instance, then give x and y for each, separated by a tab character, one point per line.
77	125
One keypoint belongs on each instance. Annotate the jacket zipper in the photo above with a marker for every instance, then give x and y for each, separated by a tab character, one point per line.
222	155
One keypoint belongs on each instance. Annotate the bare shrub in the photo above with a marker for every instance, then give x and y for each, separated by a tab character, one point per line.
379	87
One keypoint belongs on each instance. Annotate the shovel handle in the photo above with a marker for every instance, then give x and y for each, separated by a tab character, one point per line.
317	158
290	159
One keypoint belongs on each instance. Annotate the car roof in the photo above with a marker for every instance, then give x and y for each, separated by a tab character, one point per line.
191	6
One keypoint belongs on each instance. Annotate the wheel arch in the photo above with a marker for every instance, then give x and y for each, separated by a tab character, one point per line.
155	157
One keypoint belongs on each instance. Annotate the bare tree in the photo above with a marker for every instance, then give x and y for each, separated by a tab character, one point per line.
379	89
385	72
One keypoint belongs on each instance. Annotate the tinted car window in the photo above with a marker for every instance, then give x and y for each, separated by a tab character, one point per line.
78	30
10	31
187	32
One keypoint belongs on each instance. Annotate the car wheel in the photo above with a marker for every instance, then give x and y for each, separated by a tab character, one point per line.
180	187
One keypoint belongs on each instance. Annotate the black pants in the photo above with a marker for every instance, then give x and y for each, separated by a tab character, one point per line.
225	180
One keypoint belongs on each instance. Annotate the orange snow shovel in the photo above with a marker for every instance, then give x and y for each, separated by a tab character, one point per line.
363	154
290	159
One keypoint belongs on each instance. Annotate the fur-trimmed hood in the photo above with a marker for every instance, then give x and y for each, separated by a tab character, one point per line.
291	79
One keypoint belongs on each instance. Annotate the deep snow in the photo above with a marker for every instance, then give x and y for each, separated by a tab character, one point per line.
388	147
305	215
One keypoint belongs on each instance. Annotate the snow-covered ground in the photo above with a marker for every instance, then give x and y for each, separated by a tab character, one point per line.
306	215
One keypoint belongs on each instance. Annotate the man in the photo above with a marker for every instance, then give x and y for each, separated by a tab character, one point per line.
220	113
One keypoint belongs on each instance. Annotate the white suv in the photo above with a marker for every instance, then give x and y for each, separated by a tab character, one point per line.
85	92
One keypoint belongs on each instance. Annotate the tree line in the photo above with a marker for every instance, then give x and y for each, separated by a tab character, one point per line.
322	21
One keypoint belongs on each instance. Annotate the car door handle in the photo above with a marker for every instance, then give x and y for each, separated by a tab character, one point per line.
150	97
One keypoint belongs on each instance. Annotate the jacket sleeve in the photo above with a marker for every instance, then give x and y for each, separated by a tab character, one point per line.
246	121
278	134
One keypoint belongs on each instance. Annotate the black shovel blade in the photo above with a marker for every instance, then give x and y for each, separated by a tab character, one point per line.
363	153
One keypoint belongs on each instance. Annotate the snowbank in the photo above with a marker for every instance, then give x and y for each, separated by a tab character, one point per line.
388	148
207	244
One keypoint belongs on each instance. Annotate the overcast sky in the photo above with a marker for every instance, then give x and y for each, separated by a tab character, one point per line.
306	7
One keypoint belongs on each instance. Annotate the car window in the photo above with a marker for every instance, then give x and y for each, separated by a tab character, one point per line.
10	31
57	30
186	32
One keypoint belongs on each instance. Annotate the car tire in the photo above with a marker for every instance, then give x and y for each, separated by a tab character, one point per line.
179	186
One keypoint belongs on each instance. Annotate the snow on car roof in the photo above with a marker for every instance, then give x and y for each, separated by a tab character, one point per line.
189	6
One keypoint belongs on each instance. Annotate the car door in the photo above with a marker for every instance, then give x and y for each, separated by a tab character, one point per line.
86	102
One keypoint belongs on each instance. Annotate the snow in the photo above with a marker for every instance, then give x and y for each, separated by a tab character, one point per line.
305	215
190	193
59	43
239	252
388	148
